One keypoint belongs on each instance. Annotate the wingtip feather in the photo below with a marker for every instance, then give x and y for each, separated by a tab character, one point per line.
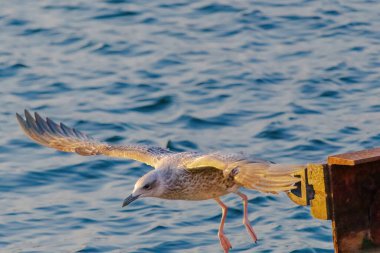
20	119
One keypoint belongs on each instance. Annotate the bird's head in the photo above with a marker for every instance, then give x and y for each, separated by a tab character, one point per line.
148	185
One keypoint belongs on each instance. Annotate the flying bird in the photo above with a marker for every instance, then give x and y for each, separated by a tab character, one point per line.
176	175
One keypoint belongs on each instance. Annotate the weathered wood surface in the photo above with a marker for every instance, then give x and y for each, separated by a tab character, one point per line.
355	158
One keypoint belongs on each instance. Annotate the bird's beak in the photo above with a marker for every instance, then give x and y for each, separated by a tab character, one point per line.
129	200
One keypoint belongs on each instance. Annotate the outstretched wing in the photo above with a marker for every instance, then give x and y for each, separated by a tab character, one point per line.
64	138
251	173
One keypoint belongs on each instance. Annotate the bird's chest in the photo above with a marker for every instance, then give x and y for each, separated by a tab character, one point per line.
200	184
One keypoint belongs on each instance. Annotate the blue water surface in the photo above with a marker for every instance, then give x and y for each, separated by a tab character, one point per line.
291	81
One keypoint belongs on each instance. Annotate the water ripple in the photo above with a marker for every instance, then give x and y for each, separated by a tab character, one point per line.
117	14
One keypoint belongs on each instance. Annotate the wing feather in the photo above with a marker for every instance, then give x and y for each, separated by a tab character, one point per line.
251	173
64	138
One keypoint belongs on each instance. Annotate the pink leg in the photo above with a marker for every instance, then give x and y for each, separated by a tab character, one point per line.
245	217
223	239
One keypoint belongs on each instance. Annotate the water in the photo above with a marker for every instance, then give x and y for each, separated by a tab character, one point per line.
290	81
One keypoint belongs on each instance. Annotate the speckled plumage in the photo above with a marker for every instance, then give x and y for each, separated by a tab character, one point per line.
199	184
185	175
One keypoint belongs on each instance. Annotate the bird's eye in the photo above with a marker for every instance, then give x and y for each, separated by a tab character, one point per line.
147	187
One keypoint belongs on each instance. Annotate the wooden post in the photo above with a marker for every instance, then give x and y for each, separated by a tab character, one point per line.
347	191
355	200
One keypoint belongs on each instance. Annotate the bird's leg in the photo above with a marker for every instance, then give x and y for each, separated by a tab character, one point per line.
223	239
246	222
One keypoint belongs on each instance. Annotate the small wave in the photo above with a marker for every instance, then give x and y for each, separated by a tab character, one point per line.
117	14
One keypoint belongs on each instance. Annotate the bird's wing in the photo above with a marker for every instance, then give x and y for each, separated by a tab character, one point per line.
64	138
251	173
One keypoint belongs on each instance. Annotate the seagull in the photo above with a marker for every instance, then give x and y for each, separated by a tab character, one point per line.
177	175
